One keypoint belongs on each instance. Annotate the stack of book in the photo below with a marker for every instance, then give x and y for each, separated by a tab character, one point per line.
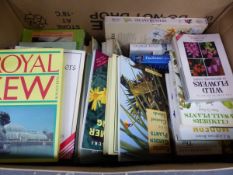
200	96
43	81
153	83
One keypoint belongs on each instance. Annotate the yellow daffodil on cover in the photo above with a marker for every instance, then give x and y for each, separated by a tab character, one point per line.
97	98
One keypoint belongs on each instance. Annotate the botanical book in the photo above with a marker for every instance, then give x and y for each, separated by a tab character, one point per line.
204	66
111	121
73	76
136	30
48	35
142	112
94	113
198	120
200	113
187	147
31	104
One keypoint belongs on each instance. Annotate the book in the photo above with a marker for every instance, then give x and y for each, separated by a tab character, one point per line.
31	104
148	49
92	131
207	116
186	147
204	66
73	76
142	112
74	69
200	113
110	146
56	35
64	45
137	30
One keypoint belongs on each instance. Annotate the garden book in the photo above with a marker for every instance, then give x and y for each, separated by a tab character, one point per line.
187	147
31	91
204	67
73	76
92	130
137	30
55	35
199	113
142	112
197	120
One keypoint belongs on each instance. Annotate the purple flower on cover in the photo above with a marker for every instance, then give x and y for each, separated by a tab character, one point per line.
192	50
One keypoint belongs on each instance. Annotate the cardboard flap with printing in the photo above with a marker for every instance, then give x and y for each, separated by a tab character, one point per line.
90	14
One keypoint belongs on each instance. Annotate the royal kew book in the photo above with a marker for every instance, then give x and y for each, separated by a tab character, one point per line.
198	120
93	123
142	112
31	83
204	67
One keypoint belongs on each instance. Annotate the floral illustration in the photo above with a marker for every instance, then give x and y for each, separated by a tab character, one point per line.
97	98
208	50
192	50
214	67
197	67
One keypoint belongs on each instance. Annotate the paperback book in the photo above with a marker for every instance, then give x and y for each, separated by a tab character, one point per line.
198	120
204	67
30	107
73	76
187	147
48	35
94	115
136	30
142	112
111	121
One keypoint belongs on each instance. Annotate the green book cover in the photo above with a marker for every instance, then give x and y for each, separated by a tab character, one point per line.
94	114
56	35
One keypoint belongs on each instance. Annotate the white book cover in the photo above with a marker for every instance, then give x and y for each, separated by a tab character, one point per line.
205	68
187	147
188	131
74	67
200	113
135	30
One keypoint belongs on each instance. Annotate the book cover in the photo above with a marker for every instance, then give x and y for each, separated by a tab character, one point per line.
31	104
200	113
142	112
186	147
204	67
73	75
65	45
136	30
49	35
94	114
206	125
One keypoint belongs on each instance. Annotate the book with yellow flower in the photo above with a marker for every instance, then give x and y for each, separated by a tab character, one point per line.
94	115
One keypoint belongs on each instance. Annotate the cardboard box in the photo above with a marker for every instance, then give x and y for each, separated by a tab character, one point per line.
88	14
